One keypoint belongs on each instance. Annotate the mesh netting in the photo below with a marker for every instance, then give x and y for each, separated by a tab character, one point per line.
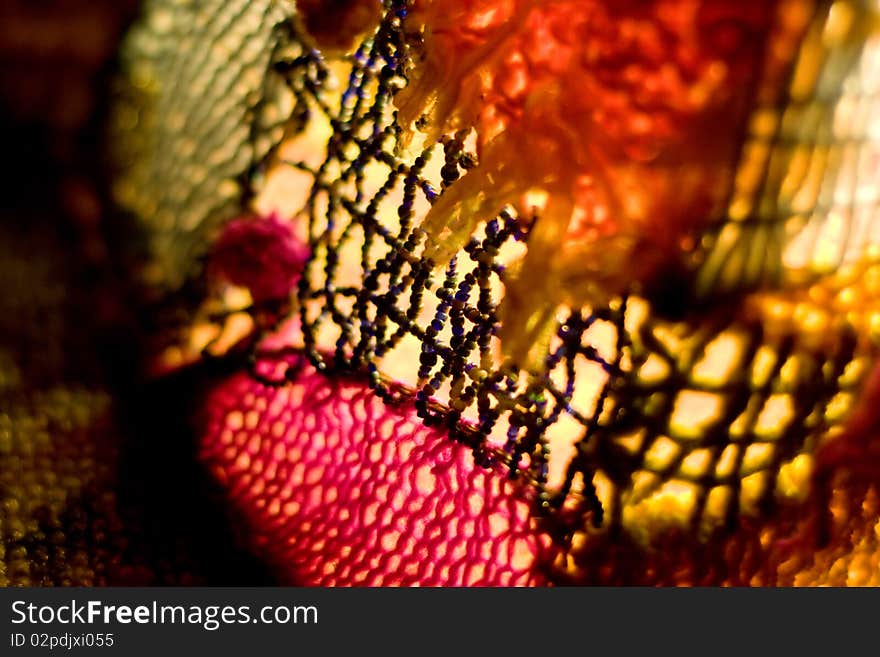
377	499
185	164
630	407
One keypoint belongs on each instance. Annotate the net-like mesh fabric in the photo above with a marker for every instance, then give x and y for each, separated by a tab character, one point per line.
692	423
366	315
351	492
185	165
805	195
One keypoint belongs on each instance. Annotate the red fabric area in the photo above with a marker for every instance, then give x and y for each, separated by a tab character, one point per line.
337	488
260	253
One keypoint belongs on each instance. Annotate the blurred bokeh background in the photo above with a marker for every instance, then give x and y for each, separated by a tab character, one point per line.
98	484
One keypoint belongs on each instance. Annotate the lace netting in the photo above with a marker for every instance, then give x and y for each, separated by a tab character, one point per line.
717	411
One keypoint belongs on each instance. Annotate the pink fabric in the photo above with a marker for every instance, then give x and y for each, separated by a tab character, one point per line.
336	488
260	253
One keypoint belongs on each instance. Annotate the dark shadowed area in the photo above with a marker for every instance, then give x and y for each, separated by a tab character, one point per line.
98	484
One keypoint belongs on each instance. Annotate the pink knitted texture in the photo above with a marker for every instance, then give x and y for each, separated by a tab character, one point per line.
337	488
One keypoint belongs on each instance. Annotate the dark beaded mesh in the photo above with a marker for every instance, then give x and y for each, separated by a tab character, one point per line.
367	318
99	480
367	291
